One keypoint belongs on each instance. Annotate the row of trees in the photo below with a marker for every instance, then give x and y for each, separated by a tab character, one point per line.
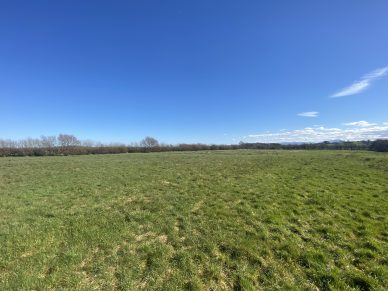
67	144
380	145
343	145
62	140
68	140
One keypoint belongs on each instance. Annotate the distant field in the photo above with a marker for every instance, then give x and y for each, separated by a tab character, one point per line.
215	220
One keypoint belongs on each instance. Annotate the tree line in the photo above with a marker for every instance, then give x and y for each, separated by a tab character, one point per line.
68	144
380	145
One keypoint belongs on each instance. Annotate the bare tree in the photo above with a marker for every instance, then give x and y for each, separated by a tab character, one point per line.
29	143
48	141
149	142
7	143
68	140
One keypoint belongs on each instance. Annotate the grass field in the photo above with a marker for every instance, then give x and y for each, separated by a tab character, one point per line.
215	220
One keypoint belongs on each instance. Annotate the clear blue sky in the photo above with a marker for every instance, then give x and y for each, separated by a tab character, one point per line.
194	71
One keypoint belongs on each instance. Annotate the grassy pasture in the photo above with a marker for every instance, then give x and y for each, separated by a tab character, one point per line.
242	220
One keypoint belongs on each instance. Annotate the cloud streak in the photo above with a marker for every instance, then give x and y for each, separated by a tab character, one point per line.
309	114
362	84
321	133
361	123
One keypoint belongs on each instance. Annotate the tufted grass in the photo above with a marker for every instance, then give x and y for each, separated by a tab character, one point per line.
242	220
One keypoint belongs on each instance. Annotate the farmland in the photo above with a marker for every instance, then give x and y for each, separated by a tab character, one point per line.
240	220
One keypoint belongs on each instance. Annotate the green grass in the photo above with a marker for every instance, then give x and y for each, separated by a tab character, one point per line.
215	220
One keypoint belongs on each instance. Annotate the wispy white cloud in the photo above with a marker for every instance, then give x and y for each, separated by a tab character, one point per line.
309	114
319	134
362	84
355	88
361	123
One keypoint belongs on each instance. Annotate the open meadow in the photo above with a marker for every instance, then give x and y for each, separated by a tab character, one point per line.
209	220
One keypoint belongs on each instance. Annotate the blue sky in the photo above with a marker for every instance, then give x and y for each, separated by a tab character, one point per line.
194	71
